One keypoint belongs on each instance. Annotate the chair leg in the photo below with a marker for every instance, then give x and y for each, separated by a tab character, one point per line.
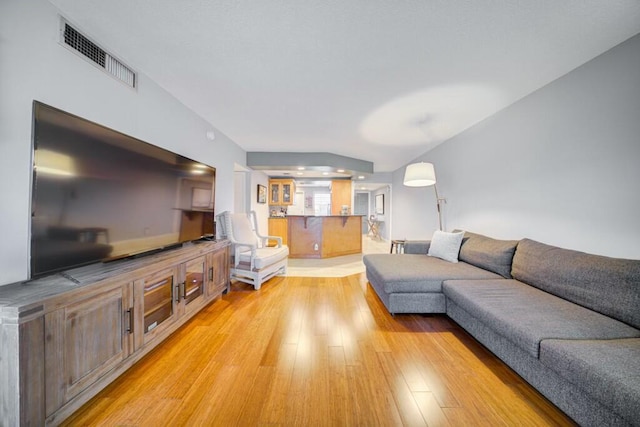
255	278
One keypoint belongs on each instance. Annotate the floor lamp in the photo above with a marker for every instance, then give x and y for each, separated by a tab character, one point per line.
424	175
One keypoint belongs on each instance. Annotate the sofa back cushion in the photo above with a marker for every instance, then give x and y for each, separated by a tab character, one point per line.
491	254
610	286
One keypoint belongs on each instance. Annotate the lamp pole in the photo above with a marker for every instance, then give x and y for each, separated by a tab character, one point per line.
439	202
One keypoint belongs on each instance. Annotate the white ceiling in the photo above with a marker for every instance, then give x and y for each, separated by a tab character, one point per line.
378	80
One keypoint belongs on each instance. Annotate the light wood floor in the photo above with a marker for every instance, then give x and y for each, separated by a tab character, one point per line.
320	352
339	266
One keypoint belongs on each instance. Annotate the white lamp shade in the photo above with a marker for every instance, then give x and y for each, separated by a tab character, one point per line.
420	175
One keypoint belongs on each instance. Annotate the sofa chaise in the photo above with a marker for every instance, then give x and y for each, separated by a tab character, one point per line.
566	321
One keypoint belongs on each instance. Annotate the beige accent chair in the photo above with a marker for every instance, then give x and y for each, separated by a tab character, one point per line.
253	261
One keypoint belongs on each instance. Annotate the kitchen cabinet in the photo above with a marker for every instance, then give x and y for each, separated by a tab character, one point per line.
281	192
340	196
278	227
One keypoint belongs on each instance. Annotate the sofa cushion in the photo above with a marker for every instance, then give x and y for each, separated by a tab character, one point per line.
607	370
526	315
416	246
418	273
445	245
265	256
609	286
490	254
241	226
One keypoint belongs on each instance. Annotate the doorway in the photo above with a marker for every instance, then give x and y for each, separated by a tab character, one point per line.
361	207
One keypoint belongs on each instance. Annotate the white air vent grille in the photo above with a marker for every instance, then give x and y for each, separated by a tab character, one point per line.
98	56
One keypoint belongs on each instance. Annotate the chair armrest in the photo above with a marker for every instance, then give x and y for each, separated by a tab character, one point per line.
265	239
238	247
417	247
243	247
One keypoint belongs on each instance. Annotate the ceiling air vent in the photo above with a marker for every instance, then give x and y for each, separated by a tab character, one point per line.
73	39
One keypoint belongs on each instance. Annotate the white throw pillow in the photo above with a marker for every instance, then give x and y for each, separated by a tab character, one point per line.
446	245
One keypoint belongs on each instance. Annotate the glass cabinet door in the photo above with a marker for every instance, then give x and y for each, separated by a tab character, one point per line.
194	280
158	301
274	193
286	193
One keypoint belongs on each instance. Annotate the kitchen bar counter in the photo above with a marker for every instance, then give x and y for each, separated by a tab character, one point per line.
324	236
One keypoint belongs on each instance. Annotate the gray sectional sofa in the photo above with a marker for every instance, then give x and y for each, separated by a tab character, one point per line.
566	321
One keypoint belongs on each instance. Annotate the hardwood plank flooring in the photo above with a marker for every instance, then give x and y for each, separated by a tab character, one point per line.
322	352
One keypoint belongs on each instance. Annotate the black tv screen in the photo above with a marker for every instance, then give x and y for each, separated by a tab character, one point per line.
99	195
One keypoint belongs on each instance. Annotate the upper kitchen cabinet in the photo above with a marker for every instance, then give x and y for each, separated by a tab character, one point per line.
340	196
281	192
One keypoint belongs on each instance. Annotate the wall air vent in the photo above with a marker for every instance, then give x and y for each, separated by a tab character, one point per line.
74	40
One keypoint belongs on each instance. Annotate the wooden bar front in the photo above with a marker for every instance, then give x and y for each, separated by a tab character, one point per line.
324	236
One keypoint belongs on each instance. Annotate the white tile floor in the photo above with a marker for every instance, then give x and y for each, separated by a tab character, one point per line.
338	266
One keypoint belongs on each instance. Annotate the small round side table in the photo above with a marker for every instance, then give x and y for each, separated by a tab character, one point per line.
398	245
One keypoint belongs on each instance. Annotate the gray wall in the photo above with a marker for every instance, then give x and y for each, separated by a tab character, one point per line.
560	166
262	209
33	65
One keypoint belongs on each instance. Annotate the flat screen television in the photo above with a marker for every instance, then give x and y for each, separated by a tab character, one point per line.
100	195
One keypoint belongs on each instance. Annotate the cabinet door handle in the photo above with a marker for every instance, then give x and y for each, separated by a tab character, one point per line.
211	274
130	320
184	289
178	292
